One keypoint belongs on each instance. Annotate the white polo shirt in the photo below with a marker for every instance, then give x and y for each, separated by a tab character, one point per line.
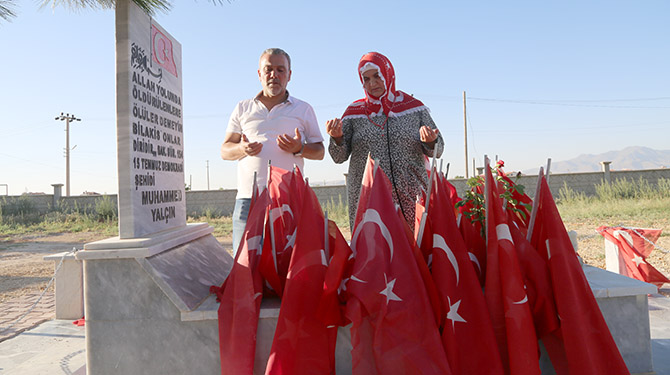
251	118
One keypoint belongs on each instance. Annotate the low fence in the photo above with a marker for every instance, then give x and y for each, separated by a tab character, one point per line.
222	202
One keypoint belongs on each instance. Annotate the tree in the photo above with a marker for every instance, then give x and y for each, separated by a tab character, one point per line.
149	6
6	11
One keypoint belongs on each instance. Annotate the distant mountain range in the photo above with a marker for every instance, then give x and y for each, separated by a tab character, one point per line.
630	158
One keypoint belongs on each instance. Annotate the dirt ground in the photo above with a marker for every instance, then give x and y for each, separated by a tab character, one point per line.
23	270
22	267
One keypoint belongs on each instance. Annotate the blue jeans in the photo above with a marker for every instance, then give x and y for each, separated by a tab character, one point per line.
240	214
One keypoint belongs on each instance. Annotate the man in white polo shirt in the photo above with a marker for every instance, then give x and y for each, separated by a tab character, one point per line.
272	126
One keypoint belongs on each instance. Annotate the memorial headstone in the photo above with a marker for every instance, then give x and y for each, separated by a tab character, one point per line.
138	286
149	128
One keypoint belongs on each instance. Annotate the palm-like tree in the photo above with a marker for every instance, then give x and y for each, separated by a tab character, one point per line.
150	6
6	11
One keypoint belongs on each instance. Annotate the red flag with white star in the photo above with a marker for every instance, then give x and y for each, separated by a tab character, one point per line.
505	291
587	344
393	329
333	300
302	343
467	332
633	252
280	226
240	298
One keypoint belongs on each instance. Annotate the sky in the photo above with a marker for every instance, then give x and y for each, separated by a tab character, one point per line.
542	79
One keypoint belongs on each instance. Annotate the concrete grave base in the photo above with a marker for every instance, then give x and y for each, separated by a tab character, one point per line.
153	314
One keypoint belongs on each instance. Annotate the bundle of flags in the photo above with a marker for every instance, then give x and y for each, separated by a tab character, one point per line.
633	247
459	295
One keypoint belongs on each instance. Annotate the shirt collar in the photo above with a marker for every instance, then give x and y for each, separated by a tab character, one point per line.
289	98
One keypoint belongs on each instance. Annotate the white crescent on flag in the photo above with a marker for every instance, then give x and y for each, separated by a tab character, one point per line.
255	243
473	259
372	216
277	212
440	243
503	233
312	258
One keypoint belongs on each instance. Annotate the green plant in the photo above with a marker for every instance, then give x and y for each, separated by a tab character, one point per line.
337	211
567	195
623	188
472	203
105	208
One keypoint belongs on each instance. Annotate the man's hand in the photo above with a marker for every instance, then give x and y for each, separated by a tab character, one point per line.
334	129
428	136
290	144
250	148
237	146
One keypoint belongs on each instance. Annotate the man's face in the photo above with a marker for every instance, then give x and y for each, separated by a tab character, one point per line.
274	74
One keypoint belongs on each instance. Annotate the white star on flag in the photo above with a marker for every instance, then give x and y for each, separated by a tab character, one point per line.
388	291
290	239
637	260
453	313
294	332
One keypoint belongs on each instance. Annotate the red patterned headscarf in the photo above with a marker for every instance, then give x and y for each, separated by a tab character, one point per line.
393	102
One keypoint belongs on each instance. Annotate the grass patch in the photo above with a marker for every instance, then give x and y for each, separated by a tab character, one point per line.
338	211
623	202
223	225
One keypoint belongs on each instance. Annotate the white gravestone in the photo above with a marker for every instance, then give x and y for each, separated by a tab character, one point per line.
137	285
149	128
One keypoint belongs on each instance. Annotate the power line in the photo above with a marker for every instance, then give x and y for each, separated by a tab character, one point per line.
575	103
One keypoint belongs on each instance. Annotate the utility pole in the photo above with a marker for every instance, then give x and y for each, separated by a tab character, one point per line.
67	118
207	174
465	135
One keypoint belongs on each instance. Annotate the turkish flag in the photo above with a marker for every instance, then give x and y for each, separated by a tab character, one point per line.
280	226
633	253
162	51
467	332
537	279
451	191
333	300
475	244
303	344
520	214
587	344
393	329
505	291
240	298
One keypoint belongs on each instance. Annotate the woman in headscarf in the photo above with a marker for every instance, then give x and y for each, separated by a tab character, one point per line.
394	127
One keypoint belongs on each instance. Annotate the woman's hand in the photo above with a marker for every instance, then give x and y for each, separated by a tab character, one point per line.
428	136
334	129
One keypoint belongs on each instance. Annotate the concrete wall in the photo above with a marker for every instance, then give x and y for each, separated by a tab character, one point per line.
579	182
221	202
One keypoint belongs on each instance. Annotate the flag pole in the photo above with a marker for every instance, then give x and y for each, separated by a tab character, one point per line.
487	190
546	172
533	211
326	244
254	189
424	215
270	216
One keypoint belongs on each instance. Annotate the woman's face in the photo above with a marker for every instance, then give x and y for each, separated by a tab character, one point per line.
373	83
